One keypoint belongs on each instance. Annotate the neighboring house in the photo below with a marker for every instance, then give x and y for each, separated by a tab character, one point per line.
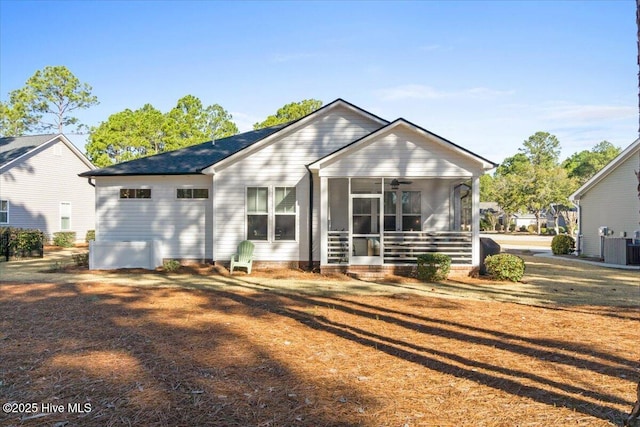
524	220
340	188
40	187
609	199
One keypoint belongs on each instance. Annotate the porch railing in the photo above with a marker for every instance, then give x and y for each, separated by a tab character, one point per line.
338	247
403	247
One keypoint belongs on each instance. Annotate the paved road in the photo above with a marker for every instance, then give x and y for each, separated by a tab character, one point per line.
530	242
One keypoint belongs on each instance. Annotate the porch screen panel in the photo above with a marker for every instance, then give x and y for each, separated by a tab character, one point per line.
411	207
257	213
390	207
364	220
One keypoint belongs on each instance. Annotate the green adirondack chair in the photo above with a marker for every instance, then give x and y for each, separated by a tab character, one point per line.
244	257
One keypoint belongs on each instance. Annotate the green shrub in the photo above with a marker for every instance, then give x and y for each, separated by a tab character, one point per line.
532	228
56	267
505	267
64	239
433	267
91	235
171	265
563	244
22	242
81	260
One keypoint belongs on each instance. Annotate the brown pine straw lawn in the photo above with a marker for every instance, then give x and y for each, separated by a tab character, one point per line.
243	356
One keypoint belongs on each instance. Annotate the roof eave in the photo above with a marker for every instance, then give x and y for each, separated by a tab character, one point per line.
600	175
210	170
330	158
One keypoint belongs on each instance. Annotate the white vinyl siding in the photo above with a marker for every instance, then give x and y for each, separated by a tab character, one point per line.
35	185
612	202
184	230
282	164
402	153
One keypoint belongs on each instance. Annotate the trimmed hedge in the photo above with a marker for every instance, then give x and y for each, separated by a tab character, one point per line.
505	267
21	242
81	260
563	244
171	265
64	239
433	267
91	235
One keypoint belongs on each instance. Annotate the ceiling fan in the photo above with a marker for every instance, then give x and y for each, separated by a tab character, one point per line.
395	183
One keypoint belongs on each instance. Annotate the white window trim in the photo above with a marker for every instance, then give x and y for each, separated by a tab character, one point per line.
400	214
246	213
7	211
192	187
136	199
271	214
70	216
273	220
403	214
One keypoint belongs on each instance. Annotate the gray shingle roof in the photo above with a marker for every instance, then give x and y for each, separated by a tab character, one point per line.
13	147
188	160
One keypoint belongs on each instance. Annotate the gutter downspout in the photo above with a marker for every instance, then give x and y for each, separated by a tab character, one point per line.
580	237
310	218
91	183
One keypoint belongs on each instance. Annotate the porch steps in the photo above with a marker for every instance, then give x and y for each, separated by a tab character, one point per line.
367	275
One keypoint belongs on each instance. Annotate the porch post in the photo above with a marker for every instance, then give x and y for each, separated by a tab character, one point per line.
324	223
475	221
213	219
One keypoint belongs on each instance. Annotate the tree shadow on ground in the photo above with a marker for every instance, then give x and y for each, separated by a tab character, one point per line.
137	360
516	381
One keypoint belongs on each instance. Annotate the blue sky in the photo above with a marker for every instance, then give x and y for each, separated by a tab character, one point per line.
485	75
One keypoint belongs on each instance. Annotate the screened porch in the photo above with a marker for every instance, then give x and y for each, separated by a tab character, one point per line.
391	221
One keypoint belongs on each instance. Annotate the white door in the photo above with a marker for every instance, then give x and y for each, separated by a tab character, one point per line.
366	226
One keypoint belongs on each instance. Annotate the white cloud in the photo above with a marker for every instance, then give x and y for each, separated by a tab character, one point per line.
288	57
589	113
416	91
244	121
431	48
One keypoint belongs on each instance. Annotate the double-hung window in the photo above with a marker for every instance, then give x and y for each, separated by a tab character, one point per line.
4	211
257	213
65	216
411	217
285	213
271	213
406	215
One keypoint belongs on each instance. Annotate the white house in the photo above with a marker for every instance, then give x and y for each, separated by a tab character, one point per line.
40	187
609	199
340	188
